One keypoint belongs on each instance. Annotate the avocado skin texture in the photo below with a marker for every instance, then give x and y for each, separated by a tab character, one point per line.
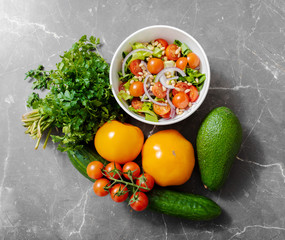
218	142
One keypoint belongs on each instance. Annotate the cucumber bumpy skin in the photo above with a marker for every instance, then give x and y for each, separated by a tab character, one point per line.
218	142
185	205
169	202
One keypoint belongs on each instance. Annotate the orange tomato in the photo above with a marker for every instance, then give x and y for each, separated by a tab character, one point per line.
99	185
181	63
136	89
193	60
168	157
131	169
155	65
118	142
180	100
94	169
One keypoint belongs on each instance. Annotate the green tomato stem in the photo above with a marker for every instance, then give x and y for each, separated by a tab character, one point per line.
124	182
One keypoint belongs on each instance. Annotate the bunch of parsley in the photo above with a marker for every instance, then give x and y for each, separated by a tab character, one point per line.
79	100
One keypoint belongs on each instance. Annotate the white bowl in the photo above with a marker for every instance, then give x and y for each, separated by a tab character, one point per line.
169	34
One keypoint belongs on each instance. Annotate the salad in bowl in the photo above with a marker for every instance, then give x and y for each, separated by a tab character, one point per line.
159	81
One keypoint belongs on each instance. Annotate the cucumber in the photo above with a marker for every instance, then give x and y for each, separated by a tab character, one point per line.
184	205
189	206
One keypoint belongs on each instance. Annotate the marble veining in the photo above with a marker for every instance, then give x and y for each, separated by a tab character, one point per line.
42	196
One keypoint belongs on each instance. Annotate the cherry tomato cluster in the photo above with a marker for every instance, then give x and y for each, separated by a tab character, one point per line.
120	181
182	96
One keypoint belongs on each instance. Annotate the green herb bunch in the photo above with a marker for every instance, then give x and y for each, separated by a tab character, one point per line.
79	100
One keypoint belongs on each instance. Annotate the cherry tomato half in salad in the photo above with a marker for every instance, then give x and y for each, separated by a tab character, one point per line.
136	89
94	169
180	100
131	168
181	63
113	169
135	67
167	115
182	86
161	110
193	94
163	42
137	103
157	90
171	52
193	60
119	192
122	87
155	65
99	185
145	180
139	201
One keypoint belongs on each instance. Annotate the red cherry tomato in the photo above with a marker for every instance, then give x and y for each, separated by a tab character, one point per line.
180	100
193	94
113	170
163	42
167	115
137	103
193	60
136	89
155	65
99	185
131	168
119	192
182	86
171	52
181	63
145	180
94	169
161	110
122	87
139	201
157	90
135	68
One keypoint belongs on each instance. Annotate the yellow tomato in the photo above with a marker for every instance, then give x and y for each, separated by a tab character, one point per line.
168	157
118	142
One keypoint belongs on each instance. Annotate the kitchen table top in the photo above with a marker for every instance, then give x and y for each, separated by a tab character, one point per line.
42	196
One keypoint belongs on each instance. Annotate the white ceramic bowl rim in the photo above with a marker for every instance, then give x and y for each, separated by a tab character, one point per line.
194	46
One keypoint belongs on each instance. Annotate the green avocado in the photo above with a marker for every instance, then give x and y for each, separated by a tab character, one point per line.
218	142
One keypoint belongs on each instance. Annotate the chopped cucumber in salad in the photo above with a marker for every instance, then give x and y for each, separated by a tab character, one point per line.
160	80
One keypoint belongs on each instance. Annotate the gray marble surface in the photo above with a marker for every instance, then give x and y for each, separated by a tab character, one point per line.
43	197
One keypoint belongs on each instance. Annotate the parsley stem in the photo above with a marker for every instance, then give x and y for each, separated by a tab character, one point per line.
31	113
36	125
30	119
45	143
38	143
